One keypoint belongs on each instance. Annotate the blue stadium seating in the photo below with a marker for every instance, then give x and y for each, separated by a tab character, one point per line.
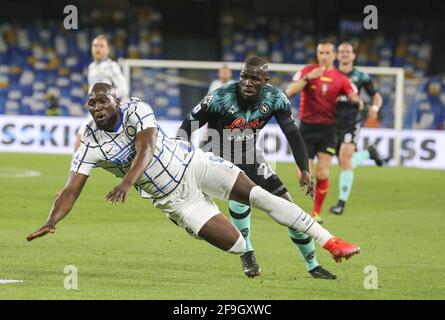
407	49
39	59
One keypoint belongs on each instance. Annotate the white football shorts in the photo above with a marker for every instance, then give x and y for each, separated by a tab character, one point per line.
190	206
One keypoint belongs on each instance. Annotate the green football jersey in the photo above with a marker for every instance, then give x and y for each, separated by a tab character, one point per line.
233	120
346	111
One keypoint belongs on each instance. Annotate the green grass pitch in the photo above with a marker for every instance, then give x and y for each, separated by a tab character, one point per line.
397	216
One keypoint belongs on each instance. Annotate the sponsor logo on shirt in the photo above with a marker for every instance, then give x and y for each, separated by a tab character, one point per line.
240	123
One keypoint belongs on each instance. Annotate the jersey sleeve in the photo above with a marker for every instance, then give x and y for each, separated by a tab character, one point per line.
142	117
281	101
286	120
368	85
300	74
290	129
201	114
283	113
84	159
203	109
348	86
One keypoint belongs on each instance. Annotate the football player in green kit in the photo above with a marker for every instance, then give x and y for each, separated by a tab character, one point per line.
348	123
235	114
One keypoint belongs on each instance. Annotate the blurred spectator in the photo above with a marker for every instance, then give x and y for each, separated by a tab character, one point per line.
103	69
224	77
53	106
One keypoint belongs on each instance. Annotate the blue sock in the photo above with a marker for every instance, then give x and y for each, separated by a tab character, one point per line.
345	184
240	217
358	157
306	246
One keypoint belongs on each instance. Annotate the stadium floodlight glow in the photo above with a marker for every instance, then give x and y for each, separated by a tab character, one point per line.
397	106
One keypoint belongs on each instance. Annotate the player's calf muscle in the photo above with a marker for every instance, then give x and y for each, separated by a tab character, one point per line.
218	231
241	189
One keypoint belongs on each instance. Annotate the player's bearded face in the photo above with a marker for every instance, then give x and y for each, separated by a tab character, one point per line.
346	54
224	74
103	109
99	49
252	81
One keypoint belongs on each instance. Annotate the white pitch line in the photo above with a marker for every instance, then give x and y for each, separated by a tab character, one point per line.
18	173
4	281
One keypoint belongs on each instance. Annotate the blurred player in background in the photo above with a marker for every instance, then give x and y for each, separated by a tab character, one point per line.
348	123
224	77
127	141
235	114
103	69
320	86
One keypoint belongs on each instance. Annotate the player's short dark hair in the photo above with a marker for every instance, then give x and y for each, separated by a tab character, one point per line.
257	62
328	41
350	43
103	86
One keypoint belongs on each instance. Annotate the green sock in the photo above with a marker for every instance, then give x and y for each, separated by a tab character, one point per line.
345	184
306	246
358	157
240	217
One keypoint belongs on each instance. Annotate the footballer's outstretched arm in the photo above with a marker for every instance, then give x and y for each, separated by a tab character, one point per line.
298	148
62	205
145	144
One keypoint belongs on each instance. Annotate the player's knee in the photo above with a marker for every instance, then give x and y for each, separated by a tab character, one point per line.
239	246
346	156
343	160
323	174
346	164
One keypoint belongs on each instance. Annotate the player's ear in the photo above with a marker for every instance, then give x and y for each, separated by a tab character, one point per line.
118	101
266	79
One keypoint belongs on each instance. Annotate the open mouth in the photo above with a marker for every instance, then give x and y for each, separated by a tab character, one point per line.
100	117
